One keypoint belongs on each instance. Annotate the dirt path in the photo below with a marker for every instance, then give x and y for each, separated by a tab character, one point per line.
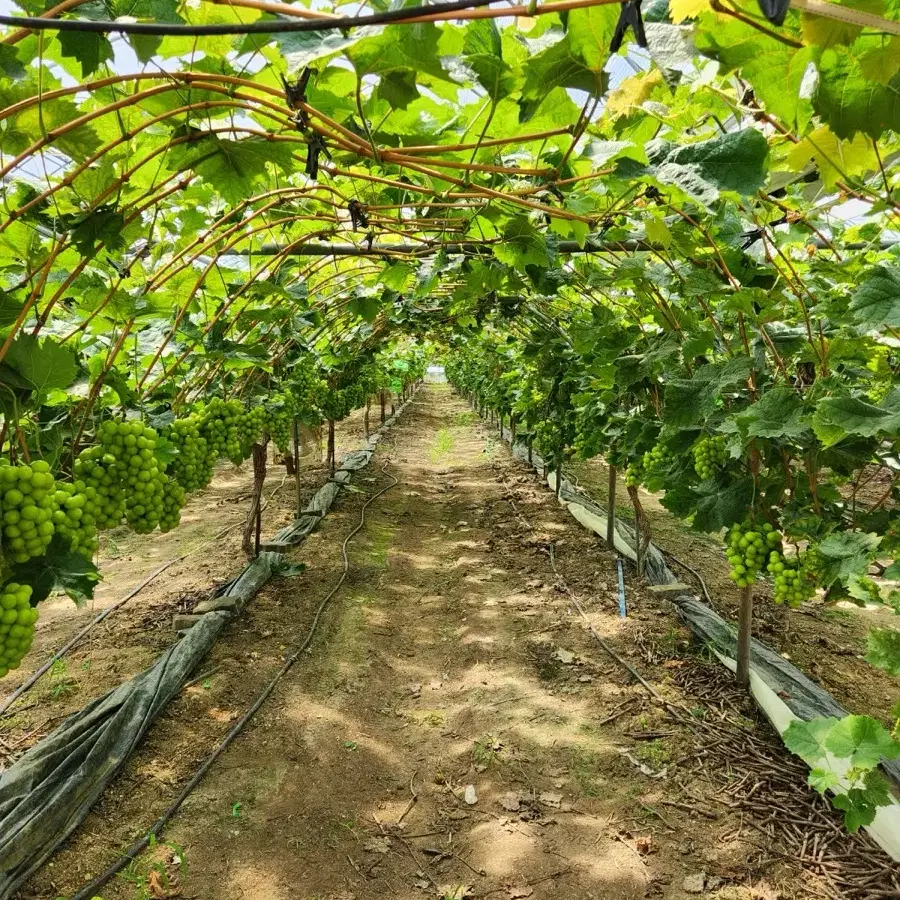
454	731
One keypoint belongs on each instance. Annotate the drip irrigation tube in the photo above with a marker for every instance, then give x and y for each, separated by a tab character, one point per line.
89	890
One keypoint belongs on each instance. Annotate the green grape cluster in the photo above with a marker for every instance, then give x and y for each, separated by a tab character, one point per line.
27	505
72	519
634	474
133	446
251	423
193	467
654	458
748	548
709	454
879	390
220	427
17	618
172	504
99	472
278	424
789	585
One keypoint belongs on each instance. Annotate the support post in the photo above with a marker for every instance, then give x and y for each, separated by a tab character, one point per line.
297	467
611	511
500	417
559	476
512	430
366	418
745	630
381	398
530	460
253	525
331	445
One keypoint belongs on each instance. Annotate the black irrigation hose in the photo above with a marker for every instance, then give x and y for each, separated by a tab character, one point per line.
90	890
272	26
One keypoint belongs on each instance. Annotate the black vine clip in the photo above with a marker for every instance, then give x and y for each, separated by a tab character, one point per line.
295	94
629	17
774	10
358	216
301	120
370	239
315	147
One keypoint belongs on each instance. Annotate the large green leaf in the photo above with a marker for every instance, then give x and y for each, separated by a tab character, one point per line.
849	102
884	649
410	48
37	366
861	740
523	245
777	414
303	48
838	417
689	401
483	52
735	161
559	65
59	569
876	302
775	70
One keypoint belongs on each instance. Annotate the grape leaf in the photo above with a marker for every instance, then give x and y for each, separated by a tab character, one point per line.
876	302
732	162
483	52
884	649
807	739
849	102
837	417
90	50
59	569
862	741
777	414
523	245
38	366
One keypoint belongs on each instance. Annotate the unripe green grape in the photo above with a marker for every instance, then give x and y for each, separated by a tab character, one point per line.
172	503
72	518
17	618
193	467
27	500
709	454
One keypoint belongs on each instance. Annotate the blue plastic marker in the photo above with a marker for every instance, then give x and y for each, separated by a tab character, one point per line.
622	611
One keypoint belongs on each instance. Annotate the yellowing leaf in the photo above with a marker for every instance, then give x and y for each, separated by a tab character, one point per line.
881	63
632	92
679	10
657	231
837	159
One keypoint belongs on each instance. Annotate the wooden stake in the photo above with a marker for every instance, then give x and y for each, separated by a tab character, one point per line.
745	630
366	419
611	511
383	417
253	524
331	446
297	466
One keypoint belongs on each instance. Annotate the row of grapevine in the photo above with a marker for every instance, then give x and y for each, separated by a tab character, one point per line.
128	472
735	451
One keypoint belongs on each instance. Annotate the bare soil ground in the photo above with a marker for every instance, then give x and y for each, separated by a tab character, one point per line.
826	641
454	730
